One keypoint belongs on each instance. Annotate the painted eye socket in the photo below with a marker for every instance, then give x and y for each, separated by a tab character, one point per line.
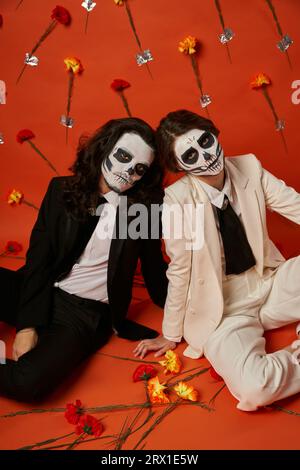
206	140
190	156
122	156
140	169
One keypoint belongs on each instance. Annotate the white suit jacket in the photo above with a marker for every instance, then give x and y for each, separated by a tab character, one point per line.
194	304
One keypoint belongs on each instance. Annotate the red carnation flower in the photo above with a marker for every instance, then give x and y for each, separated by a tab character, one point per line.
74	412
215	375
13	247
144	372
61	15
24	134
119	85
1	21
89	425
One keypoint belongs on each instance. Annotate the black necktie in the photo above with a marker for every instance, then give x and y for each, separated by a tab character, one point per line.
238	253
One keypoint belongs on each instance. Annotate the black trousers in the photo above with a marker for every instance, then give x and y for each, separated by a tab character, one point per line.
78	328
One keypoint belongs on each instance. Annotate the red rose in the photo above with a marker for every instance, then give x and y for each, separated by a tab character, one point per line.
24	134
144	372
61	15
89	425
119	85
1	21
74	412
13	247
215	375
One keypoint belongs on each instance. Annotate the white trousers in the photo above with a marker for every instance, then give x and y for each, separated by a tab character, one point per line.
236	349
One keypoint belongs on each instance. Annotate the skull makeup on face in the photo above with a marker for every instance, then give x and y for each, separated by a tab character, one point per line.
127	163
199	152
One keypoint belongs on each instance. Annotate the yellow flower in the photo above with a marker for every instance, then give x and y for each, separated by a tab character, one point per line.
119	2
188	45
260	80
156	391
15	197
187	392
74	64
171	362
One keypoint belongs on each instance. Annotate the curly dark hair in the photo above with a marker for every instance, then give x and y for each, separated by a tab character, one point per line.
173	125
81	191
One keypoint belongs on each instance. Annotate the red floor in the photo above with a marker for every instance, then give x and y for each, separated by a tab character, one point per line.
107	381
104	381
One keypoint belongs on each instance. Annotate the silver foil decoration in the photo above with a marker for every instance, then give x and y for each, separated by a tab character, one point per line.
89	5
226	36
280	125
67	121
1	138
31	60
285	43
144	57
205	100
2	92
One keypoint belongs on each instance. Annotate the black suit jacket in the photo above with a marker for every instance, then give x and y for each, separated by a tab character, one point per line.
57	240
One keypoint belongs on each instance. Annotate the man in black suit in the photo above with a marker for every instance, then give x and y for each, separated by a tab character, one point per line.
76	285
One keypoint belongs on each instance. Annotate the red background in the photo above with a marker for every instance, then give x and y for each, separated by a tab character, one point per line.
107	52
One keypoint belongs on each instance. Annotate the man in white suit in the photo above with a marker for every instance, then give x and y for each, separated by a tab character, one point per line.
223	295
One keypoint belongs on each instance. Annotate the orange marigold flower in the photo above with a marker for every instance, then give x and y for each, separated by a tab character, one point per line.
171	363
156	391
15	197
260	80
188	45
187	392
74	64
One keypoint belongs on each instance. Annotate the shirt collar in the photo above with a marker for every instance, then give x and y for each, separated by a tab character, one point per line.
112	198
215	196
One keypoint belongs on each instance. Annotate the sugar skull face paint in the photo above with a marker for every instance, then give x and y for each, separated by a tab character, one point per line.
127	163
199	152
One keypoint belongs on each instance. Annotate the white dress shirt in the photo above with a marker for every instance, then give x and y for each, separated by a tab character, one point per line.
216	198
88	276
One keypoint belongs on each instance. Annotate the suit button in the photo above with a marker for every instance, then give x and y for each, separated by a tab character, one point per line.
201	281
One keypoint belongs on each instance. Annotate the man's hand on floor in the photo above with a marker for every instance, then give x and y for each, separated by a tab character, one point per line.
160	344
25	340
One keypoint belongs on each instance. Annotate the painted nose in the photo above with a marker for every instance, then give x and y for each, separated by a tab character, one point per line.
207	156
130	171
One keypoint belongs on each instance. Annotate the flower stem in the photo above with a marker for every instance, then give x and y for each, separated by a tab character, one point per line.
19	4
212	400
86	21
272	8
96	409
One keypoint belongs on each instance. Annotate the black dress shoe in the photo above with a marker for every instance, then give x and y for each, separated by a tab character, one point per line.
134	331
